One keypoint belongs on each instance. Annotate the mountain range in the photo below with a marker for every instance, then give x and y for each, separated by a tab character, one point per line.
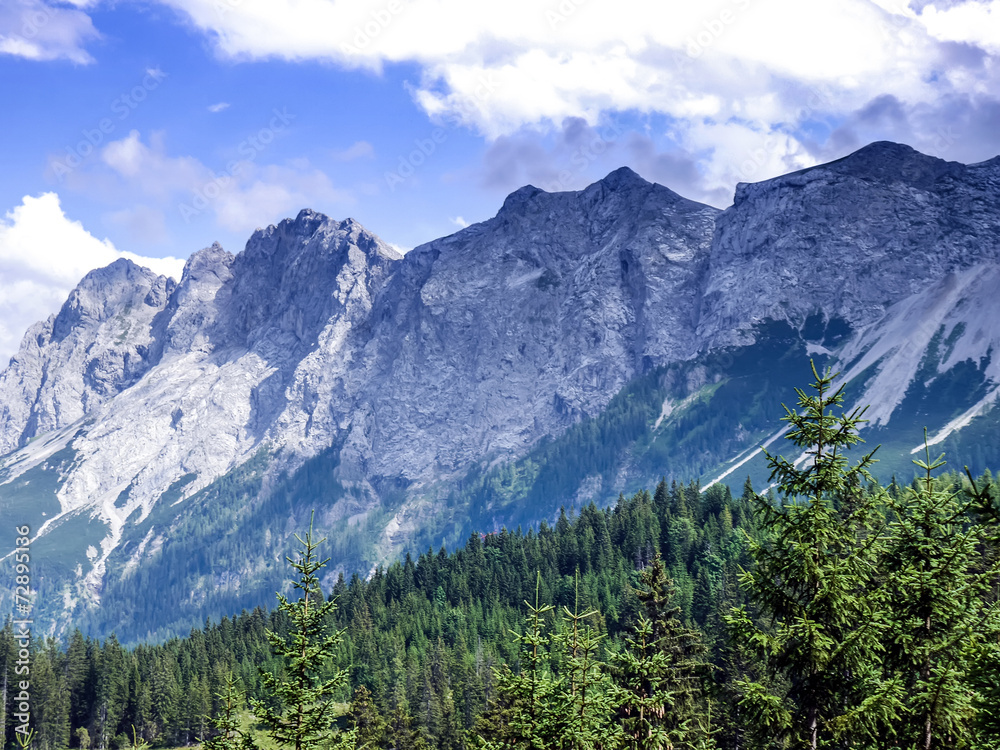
165	439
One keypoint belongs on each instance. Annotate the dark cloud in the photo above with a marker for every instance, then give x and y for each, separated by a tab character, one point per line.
579	154
956	127
962	55
885	109
676	169
919	5
568	159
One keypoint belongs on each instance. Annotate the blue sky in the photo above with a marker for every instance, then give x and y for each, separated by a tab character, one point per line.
153	128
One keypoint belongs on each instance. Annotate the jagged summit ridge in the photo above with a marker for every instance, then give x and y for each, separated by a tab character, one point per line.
886	162
850	238
406	373
100	343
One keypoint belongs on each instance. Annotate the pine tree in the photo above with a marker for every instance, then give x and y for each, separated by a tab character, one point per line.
984	650
936	589
368	725
50	699
198	707
112	691
818	638
586	708
305	713
524	713
658	675
228	735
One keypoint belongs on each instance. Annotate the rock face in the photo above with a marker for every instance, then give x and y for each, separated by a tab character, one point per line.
850	238
471	349
517	327
100	343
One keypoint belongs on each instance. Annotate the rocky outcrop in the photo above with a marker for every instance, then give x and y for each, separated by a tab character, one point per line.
515	328
318	338
850	238
100	343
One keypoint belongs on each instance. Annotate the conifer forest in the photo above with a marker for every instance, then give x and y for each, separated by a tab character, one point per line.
826	610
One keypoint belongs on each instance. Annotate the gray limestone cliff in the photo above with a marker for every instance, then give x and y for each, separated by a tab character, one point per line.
318	339
849	238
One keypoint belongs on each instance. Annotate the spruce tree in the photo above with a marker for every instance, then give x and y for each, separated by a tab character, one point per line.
228	735
525	713
305	712
936	591
658	676
368	725
817	635
585	705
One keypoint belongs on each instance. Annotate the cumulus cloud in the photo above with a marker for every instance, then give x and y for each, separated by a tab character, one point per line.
357	150
38	30
974	22
566	159
749	89
241	196
43	255
771	81
504	65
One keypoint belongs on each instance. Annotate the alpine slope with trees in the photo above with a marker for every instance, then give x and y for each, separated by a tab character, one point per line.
827	612
575	346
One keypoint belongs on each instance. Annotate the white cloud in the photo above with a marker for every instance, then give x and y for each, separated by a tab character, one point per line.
972	22
742	153
38	30
500	66
459	222
752	70
261	195
357	150
241	196
143	224
218	107
43	255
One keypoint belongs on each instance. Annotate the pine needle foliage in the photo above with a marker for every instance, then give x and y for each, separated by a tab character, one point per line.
228	735
658	676
586	706
304	715
817	631
936	598
525	713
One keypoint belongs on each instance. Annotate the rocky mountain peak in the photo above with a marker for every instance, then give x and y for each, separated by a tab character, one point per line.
293	276
850	238
623	178
887	162
210	261
516	201
109	291
100	343
389	379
